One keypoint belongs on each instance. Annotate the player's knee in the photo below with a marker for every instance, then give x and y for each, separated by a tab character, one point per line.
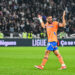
45	57
47	52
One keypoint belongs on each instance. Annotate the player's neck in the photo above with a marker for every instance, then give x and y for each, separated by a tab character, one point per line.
50	23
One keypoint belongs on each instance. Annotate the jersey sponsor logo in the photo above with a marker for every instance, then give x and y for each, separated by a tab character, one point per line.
50	26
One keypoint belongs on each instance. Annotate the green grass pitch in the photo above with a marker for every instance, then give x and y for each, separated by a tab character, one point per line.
21	61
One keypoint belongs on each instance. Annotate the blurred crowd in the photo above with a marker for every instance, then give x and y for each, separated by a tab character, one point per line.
21	15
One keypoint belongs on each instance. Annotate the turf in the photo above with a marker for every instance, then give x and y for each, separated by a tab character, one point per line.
21	61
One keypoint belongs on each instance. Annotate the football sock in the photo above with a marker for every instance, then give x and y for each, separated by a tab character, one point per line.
61	60
44	61
63	65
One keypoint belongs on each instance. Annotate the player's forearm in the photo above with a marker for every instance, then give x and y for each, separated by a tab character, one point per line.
64	21
42	23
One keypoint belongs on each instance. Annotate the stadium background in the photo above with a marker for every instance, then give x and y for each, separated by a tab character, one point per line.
19	26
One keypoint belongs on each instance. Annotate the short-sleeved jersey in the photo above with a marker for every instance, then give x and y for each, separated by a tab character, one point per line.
52	31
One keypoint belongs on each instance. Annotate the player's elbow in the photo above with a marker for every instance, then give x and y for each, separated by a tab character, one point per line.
43	26
64	24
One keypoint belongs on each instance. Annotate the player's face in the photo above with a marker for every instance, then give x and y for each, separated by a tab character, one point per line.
49	19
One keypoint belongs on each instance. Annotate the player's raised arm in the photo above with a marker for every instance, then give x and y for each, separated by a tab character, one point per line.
63	24
41	21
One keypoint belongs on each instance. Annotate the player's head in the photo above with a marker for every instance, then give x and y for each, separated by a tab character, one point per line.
49	19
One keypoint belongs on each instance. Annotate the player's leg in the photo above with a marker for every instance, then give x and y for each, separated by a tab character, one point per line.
47	52
63	66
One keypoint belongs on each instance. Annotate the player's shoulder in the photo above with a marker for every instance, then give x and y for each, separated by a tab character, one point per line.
55	22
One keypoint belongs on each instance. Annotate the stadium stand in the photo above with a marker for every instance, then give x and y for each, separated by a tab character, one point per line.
20	16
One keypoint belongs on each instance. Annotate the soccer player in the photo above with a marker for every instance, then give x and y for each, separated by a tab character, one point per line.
51	28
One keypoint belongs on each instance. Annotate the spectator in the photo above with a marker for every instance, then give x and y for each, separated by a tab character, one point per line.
18	15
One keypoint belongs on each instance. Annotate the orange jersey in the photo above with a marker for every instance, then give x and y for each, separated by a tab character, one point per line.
52	31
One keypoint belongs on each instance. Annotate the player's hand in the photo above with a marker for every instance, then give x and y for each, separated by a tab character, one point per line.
64	13
39	16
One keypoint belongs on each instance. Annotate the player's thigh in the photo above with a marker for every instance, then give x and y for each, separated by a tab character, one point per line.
56	52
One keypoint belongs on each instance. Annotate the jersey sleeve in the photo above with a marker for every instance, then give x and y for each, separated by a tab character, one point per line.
57	23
